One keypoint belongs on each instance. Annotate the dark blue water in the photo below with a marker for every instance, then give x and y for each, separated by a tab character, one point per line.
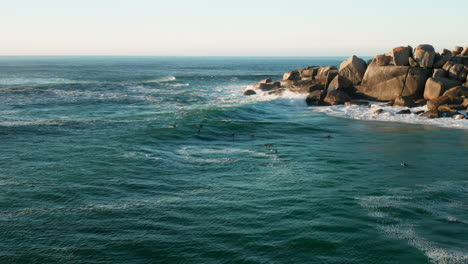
91	170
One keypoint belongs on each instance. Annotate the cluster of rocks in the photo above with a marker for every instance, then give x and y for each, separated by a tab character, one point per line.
405	77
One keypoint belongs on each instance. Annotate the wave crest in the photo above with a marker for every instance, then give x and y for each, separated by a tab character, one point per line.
162	79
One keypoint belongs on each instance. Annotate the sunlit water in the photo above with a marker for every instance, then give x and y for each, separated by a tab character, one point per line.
92	171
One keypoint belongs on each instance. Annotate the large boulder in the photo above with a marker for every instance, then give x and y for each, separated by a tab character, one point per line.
464	74
268	86
354	69
304	86
249	92
413	63
292	75
286	83
382	60
447	111
464	52
455	72
401	56
336	97
442	58
435	103
435	87
424	55
457	50
389	82
460	60
446	67
316	98
261	83
309	73
330	76
322	72
464	103
404	101
431	114
439	73
340	83
459	91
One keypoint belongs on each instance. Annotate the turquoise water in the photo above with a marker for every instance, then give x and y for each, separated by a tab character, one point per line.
91	170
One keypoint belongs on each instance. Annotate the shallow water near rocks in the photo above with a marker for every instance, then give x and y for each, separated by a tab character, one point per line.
92	170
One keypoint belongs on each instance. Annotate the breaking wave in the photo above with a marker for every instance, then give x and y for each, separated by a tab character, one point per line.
162	79
366	113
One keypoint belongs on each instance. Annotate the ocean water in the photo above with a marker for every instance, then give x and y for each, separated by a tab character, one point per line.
92	170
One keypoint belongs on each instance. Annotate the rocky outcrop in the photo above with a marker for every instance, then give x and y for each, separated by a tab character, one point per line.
292	76
309	73
457	50
403	76
435	103
464	52
404	101
431	114
249	92
454	93
413	63
401	56
322	72
464	103
266	85
340	83
315	98
336	97
443	57
439	73
389	82
424	55
330	76
304	86
435	87
354	69
456	72
286	83
269	86
382	60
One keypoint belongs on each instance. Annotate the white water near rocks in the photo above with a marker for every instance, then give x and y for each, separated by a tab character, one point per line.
389	114
367	112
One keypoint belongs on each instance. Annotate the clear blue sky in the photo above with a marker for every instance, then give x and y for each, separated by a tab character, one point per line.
218	27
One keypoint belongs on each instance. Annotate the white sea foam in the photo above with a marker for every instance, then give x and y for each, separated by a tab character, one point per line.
291	98
140	155
390	114
179	85
38	81
210	155
407	228
232	150
162	79
74	94
34	122
435	253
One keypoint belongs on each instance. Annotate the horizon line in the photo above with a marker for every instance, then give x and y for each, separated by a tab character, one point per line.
267	56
